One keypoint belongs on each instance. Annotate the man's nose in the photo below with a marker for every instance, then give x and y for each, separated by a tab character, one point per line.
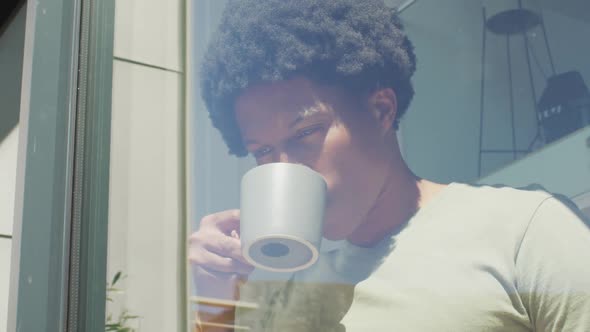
284	157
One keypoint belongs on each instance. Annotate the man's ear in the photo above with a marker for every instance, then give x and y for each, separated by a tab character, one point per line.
383	104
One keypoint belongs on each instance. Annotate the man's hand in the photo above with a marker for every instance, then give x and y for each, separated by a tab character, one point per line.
215	254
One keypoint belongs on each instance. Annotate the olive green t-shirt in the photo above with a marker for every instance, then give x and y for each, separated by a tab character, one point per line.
475	258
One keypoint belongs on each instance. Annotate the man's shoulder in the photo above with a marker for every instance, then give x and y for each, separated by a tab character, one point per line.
516	205
495	194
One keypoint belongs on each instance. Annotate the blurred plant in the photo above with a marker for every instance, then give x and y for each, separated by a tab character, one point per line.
119	325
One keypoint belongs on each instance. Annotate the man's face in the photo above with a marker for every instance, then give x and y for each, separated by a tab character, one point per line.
326	129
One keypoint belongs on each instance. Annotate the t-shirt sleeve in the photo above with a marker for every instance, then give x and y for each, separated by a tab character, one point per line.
553	267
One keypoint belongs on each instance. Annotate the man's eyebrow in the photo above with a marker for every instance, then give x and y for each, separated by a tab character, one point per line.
301	115
304	114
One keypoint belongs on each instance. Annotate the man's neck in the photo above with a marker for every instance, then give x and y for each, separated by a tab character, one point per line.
402	195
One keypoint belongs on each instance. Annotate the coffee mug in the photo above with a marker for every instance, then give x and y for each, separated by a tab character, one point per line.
282	216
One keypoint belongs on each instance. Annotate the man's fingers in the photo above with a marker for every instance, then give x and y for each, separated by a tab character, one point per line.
216	245
225	221
227	246
214	262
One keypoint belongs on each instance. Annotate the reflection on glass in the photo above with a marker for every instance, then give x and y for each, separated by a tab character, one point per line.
414	238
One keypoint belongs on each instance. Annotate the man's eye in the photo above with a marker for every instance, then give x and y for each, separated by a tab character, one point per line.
261	152
306	132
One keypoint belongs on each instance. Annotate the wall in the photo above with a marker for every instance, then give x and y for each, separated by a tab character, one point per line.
562	167
8	162
11	60
146	218
441	130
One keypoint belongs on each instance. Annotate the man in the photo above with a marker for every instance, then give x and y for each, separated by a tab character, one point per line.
325	83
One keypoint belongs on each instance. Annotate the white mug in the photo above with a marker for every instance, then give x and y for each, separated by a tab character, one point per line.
282	216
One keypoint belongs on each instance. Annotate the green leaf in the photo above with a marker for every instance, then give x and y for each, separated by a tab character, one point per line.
116	278
115	290
113	327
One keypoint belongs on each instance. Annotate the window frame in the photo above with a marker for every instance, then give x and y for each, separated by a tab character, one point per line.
58	269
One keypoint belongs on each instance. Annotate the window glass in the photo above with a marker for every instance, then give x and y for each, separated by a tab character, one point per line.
387	165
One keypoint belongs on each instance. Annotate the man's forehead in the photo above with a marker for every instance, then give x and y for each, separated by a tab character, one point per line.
286	115
290	99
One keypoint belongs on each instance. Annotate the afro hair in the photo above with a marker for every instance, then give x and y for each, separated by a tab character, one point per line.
357	45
